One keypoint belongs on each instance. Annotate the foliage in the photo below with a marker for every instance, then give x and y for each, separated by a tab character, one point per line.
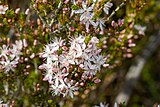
85	35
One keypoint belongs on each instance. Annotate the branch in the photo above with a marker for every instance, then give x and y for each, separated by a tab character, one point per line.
136	69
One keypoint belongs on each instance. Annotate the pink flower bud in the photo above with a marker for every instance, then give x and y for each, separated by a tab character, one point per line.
129	55
37	1
72	82
65	48
28	51
104	46
97	81
17	10
104	41
44	1
113	23
86	91
64	70
34	6
41	67
76	74
25	59
27	11
81	65
71	29
38	22
66	1
35	42
25	43
64	9
119	39
120	22
32	56
28	66
99	50
81	84
77	84
101	32
132	45
62	43
66	80
105	65
90	77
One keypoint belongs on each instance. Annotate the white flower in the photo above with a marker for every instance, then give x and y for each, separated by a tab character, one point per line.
47	52
90	69
16	50
99	22
18	45
56	43
85	12
51	50
57	89
72	59
59	77
4	51
98	61
70	89
3	9
11	56
107	6
9	65
141	29
86	15
94	40
48	77
75	50
64	60
50	54
87	22
77	46
91	60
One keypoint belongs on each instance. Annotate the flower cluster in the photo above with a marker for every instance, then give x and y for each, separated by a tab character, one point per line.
9	56
66	63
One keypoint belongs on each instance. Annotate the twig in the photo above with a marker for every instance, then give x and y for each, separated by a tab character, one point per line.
136	69
114	11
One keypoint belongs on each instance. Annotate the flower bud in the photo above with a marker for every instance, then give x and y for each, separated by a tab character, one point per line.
97	81
17	10
81	84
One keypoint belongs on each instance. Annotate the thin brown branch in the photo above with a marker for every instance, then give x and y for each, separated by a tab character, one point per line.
136	68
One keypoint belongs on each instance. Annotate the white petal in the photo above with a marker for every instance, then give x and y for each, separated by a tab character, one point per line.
101	27
82	17
106	10
79	11
87	25
84	5
90	9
